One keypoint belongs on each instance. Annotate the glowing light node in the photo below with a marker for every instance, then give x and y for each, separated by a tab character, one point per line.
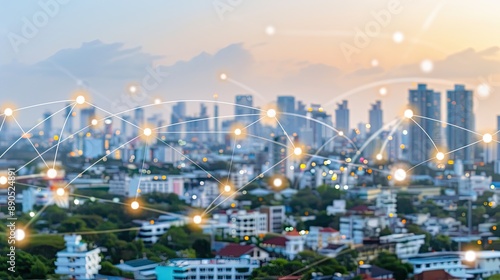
93	122
398	37
227	188
271	113
132	89
60	192
439	156
374	62
237	131
470	256
197	219
32	214
148	131
379	157
408	113
382	91
487	138
8	112
3	180
277	182
297	151
426	65
20	234
223	76
400	175
270	30
80	99
341	133
52	173
134	205
157	101
483	90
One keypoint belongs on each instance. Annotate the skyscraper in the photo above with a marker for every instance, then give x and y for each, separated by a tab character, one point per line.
342	117
69	114
47	125
139	118
86	116
427	103
244	112
286	104
460	113
176	118
375	118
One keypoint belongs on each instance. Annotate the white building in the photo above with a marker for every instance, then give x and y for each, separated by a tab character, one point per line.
244	223
320	237
406	244
289	245
150	232
76	260
275	217
386	201
223	268
242	175
354	228
149	184
487	263
338	207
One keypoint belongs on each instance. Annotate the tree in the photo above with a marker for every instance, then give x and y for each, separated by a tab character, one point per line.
202	248
404	204
441	242
385	231
391	262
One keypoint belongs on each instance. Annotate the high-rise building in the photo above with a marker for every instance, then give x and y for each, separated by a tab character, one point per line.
460	114
216	135
286	104
176	118
497	162
86	116
279	153
47	125
69	115
124	130
139	119
376	117
317	125
426	103
245	114
342	117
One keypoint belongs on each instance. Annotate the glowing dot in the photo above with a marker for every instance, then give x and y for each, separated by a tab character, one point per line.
382	91
277	182
270	30
76	201
341	133
405	132
379	157
470	256
374	62
51	173
8	112
223	76
93	122
483	90
3	180
194	196
297	151
227	188
147	131
439	156
60	192
80	99
398	37
134	205
408	113
20	234
197	219
32	214
132	89
271	113
426	66
400	175
237	131
157	101
487	138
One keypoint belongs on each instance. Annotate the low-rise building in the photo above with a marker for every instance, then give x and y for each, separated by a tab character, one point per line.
222	268
76	260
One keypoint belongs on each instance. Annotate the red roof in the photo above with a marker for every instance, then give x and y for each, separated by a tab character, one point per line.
294	232
277	241
328	229
360	208
235	250
434	274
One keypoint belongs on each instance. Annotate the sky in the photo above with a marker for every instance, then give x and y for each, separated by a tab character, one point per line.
310	49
